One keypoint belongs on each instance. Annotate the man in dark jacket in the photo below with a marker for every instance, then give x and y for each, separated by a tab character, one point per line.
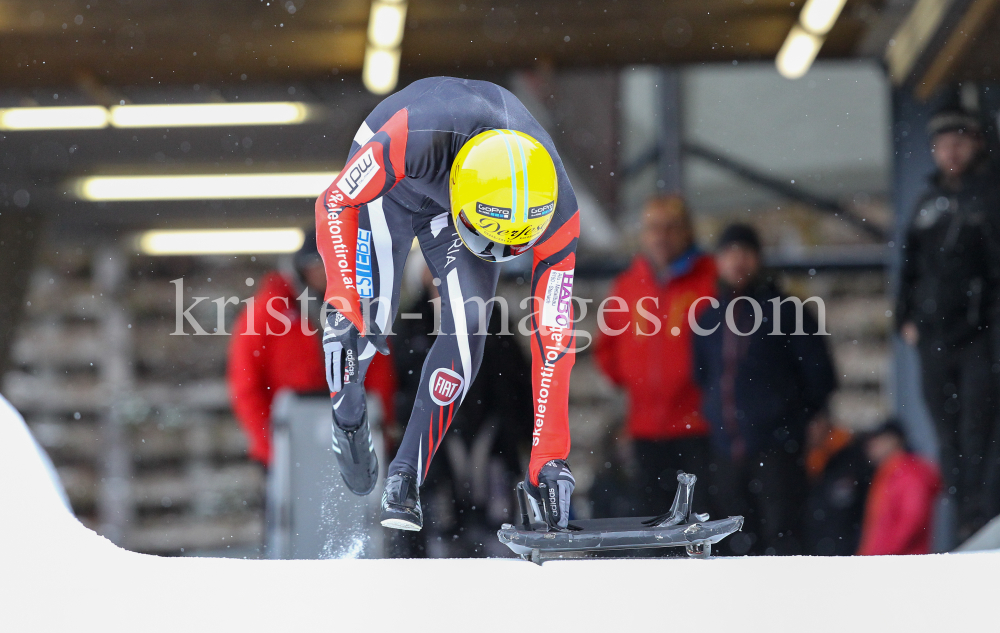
762	382
947	303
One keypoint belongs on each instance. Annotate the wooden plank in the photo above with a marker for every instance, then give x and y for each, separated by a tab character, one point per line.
978	16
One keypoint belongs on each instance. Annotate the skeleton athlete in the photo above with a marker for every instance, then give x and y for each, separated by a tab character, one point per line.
463	167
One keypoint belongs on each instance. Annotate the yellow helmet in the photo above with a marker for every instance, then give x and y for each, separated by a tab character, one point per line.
503	193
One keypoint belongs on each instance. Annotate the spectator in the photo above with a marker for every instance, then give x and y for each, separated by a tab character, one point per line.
839	477
469	493
947	303
280	352
653	363
759	393
900	509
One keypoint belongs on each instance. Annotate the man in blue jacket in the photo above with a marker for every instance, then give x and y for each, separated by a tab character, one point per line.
762	382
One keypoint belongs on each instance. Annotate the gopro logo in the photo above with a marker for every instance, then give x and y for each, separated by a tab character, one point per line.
542	211
500	213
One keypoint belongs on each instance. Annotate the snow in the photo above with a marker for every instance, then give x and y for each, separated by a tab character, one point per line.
57	575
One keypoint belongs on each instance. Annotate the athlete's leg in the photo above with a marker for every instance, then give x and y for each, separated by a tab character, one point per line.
385	235
467	285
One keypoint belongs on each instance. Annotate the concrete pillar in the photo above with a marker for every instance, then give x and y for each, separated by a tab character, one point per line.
114	506
20	233
669	177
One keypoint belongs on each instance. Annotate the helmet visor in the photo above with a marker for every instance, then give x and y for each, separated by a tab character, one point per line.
485	248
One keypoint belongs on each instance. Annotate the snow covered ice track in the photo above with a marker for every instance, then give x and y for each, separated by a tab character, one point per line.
56	575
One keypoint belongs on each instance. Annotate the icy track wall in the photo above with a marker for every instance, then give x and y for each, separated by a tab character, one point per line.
56	575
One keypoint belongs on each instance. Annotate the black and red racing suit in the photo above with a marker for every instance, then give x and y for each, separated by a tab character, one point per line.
393	188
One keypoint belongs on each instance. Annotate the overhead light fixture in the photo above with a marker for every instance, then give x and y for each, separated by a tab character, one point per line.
221	241
171	115
806	38
382	53
202	187
381	71
797	53
208	114
55	118
385	24
819	16
912	37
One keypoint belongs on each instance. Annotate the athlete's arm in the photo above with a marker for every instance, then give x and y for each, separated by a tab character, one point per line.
371	171
552	344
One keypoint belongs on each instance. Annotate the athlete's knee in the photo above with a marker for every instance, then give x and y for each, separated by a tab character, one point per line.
479	312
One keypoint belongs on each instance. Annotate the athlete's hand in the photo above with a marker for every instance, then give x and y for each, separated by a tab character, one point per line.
553	492
341	344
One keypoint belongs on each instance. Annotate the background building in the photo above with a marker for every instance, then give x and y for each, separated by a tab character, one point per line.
639	97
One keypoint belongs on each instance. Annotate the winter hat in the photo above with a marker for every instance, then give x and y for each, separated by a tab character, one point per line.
952	119
739	234
308	254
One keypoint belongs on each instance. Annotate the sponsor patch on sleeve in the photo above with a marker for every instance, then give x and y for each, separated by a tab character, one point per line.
557	304
445	386
363	265
358	174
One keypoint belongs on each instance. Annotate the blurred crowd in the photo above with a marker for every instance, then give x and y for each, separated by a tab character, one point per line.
733	385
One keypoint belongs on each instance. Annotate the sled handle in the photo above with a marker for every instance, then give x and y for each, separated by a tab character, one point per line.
522	504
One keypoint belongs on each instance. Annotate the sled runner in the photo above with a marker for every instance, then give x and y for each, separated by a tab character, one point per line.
533	540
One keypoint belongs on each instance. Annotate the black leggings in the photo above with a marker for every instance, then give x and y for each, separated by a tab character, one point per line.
961	395
465	283
769	491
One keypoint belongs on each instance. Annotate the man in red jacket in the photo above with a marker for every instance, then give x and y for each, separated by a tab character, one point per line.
899	513
281	347
645	348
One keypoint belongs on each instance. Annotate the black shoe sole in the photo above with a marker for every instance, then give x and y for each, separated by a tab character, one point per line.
399	520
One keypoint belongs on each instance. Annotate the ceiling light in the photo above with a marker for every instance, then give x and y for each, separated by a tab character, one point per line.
221	241
207	114
819	16
381	71
385	24
797	53
203	187
54	118
385	34
913	36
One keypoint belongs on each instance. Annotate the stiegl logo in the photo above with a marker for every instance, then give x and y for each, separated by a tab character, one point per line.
445	385
363	265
